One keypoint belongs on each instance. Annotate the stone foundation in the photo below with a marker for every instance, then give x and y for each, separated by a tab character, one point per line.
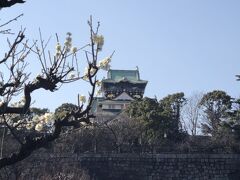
131	167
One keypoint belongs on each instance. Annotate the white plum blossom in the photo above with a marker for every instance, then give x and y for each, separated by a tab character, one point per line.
72	75
19	103
83	123
68	42
20	121
104	64
98	83
74	50
36	118
22	101
98	92
99	40
48	117
39	127
92	71
86	71
58	50
58	47
15	124
85	77
29	126
82	98
69	39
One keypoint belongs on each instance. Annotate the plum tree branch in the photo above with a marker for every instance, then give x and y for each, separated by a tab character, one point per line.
55	71
9	3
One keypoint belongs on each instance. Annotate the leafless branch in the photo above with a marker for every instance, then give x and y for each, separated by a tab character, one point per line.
14	19
9	3
17	41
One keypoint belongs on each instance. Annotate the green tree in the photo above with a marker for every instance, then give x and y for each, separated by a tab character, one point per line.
171	107
232	125
160	119
64	109
38	111
148	113
216	106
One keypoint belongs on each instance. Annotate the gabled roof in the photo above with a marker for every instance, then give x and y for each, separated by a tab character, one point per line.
123	96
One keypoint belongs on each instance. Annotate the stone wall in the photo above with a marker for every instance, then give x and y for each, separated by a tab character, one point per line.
131	166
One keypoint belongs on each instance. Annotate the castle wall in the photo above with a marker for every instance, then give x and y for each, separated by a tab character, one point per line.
131	167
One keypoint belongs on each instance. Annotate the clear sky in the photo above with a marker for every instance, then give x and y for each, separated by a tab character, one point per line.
178	45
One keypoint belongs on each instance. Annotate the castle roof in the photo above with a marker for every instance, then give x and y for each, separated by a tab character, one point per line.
118	89
115	76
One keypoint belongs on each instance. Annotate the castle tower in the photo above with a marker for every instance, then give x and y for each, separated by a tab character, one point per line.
118	90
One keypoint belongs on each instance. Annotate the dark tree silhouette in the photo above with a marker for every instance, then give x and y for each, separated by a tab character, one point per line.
9	3
216	105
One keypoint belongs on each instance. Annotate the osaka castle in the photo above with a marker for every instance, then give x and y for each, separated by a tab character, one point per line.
118	90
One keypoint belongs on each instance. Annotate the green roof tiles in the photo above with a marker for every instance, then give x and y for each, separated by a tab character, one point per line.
124	80
118	75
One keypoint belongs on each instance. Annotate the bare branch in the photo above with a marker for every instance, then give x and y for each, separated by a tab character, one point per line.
17	41
14	19
9	3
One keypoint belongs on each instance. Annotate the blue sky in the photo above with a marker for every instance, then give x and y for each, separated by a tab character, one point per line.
179	45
